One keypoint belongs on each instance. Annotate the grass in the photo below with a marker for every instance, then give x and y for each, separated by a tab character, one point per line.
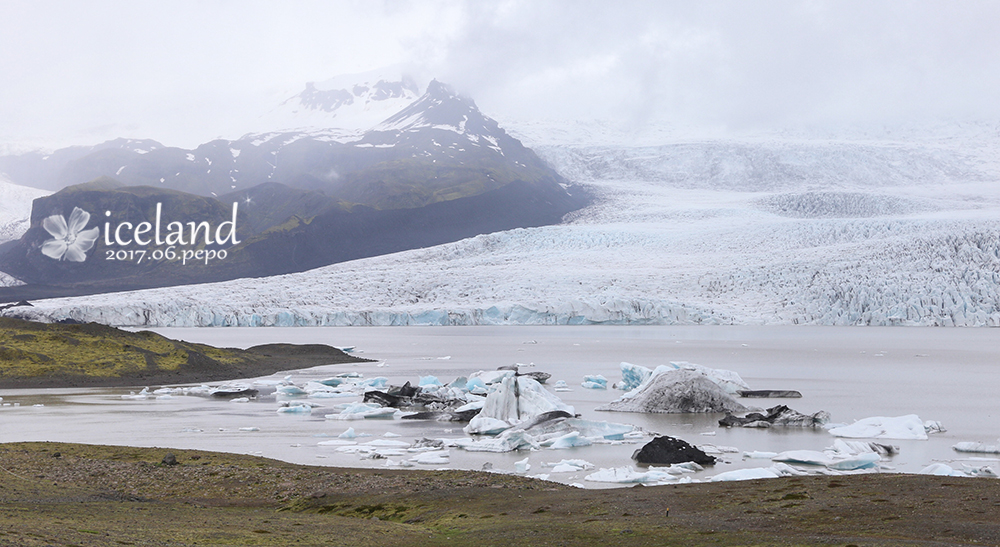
62	494
92	354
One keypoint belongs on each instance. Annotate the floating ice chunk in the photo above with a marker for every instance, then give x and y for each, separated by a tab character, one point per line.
240	400
429	381
390	434
867	460
670	390
879	427
295	409
579	465
249	429
561	386
569	440
508	441
628	475
595	381
716	449
515	399
941	469
437	457
348	434
977	447
522	466
632	376
759	455
747	474
810	457
473	405
726	379
133	396
459	383
388	443
476	385
290	391
984	471
337	442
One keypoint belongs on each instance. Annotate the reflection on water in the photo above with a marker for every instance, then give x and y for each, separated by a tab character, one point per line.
949	375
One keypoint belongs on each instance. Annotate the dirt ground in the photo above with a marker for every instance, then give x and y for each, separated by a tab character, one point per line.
67	494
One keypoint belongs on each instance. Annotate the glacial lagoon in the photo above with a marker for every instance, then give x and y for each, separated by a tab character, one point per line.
948	375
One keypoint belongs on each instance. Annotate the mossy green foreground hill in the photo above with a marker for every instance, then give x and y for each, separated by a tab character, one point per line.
62	494
57	355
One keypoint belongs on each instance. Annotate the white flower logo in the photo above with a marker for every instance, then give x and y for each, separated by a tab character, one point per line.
71	241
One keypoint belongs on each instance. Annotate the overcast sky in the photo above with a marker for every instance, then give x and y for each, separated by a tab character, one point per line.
184	72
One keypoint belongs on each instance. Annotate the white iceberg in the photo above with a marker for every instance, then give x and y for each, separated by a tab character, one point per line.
879	427
595	381
977	447
515	400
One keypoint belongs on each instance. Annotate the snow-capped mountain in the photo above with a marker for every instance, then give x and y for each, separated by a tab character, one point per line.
349	104
901	234
438	171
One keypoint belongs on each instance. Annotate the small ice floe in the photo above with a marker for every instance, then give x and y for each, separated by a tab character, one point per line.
909	427
230	391
388	443
759	455
133	396
977	447
561	386
716	449
568	466
628	475
569	440
249	429
290	391
390	434
337	442
707	433
240	400
779	415
37	405
595	381
773	472
522	466
942	469
296	407
361	411
437	457
191	430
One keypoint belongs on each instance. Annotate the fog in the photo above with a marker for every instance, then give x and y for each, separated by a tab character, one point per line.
186	72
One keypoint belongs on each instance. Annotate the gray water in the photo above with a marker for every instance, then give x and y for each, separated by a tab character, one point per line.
948	375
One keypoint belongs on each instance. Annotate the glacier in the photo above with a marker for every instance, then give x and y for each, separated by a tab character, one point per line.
862	230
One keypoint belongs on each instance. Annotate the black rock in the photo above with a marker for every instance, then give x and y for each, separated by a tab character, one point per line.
169	459
667	450
770	394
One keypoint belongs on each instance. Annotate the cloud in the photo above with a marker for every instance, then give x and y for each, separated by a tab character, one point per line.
187	71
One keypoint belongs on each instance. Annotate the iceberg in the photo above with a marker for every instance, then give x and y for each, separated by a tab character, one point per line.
977	447
671	390
902	427
632	376
569	440
595	381
628	475
515	400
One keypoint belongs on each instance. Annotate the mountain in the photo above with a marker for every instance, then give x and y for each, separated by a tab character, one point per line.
762	230
436	171
349	104
438	148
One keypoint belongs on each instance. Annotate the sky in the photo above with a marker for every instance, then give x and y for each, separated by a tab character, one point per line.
184	71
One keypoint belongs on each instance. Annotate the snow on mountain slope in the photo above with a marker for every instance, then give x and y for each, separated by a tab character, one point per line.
665	246
350	103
